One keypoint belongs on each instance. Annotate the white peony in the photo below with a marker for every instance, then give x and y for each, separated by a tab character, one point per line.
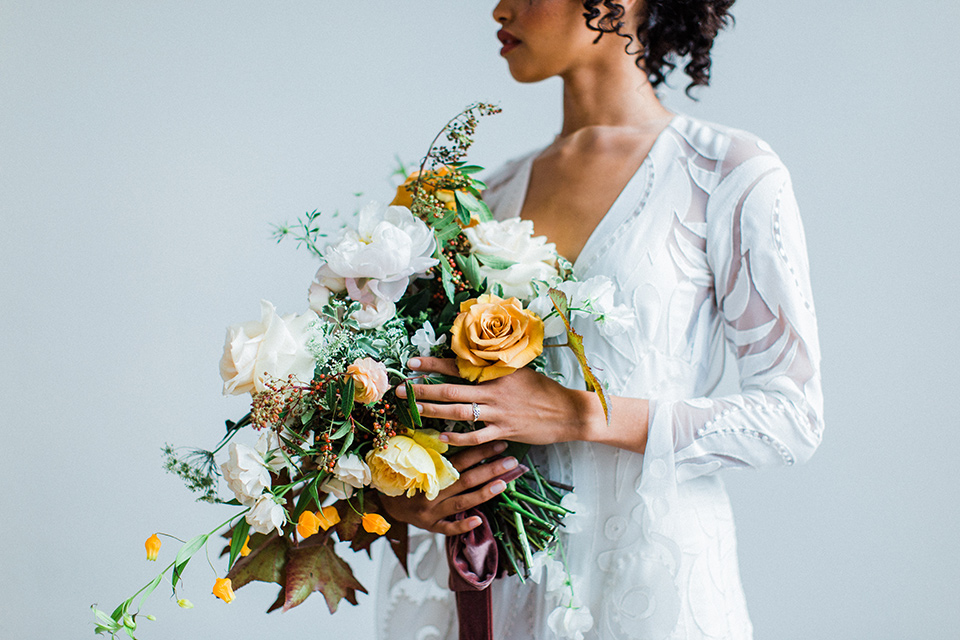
275	346
350	473
389	246
570	622
425	338
374	314
267	514
246	473
325	283
512	239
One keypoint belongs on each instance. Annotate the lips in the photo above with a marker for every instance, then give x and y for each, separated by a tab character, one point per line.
508	40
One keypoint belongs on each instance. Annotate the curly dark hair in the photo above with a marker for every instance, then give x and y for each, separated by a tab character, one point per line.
669	31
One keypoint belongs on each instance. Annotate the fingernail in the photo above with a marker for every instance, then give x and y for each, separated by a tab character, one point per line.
500	447
419	408
414	363
508	464
475	522
497	487
401	391
444	437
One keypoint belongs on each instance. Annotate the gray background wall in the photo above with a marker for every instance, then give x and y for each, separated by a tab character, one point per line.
145	148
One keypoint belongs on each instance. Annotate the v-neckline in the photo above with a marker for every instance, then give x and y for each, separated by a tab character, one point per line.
625	193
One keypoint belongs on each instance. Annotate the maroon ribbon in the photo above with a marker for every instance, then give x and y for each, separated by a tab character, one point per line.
474	564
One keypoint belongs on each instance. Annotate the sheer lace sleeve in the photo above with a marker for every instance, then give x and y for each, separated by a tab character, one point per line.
757	253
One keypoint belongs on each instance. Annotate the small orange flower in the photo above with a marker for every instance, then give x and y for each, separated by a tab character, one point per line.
223	589
328	516
404	197
308	524
245	551
375	523
153	547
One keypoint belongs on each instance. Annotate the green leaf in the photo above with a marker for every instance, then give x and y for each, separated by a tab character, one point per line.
317	567
342	431
494	262
447	232
265	563
107	623
183	557
471	269
470	169
446	278
575	343
462	212
240	532
346	396
412	404
150	588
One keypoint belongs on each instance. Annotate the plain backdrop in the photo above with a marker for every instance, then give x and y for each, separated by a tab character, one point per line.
146	147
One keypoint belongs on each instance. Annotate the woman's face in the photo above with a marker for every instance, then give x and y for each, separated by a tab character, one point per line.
543	38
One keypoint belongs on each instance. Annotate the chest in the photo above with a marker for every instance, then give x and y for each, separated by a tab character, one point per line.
570	191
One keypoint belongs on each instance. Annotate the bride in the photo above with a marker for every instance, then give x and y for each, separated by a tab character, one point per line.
697	226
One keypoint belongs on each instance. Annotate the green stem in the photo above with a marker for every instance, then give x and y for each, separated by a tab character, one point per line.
524	545
539	503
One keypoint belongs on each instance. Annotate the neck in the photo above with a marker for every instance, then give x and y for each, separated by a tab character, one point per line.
613	93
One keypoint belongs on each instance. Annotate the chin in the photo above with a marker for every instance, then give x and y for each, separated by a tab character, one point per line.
526	75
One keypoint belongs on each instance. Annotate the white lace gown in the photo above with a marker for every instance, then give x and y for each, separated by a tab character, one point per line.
705	244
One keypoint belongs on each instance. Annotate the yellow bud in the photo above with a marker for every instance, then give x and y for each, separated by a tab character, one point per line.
183	603
327	517
375	523
153	547
223	589
308	524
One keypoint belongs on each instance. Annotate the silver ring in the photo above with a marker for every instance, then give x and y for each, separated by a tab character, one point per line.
476	411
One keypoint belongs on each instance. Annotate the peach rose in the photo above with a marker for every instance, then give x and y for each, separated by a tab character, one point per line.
493	337
369	380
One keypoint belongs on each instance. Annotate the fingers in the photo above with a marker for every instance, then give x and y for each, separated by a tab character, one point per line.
445	366
465	501
456	527
488	433
463	460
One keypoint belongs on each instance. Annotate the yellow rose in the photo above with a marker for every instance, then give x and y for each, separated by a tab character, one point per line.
411	463
404	196
493	337
369	380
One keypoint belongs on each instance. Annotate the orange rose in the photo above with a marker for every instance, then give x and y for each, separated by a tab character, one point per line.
493	337
405	197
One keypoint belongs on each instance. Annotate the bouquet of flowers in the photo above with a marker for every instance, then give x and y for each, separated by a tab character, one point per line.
431	274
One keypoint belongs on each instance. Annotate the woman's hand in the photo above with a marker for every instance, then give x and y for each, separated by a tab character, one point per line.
472	489
524	406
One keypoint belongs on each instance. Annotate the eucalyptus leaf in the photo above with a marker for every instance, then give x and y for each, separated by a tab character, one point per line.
471	269
494	262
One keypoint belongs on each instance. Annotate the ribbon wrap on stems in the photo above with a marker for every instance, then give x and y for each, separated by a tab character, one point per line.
474	564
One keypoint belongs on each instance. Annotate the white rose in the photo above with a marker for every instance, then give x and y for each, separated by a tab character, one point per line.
389	246
267	514
245	473
512	239
275	346
350	473
570	622
425	338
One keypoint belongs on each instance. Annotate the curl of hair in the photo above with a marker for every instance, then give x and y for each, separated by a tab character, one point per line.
669	31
